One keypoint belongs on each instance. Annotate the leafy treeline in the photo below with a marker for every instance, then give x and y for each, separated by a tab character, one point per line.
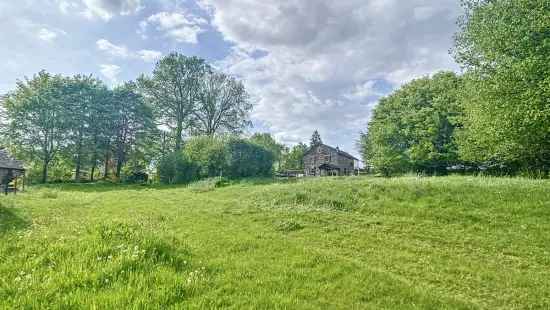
76	127
494	117
183	121
229	156
73	124
211	156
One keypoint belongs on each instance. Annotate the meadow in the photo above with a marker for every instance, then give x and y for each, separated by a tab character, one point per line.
331	243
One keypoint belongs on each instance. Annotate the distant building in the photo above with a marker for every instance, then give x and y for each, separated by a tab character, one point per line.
324	160
10	170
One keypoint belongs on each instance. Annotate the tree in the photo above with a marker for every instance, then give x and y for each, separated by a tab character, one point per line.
504	46
83	95
315	139
266	141
222	106
173	90
37	118
413	128
294	159
133	119
208	153
246	159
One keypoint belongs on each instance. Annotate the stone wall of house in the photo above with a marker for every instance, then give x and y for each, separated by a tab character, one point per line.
322	154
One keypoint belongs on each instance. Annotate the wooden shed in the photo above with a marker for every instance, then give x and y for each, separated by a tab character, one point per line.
11	171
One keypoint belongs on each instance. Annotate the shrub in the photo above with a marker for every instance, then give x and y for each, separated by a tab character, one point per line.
208	153
175	168
246	159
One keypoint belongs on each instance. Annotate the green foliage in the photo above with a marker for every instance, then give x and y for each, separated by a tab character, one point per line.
62	126
412	129
208	153
207	156
323	243
246	159
176	168
187	94
505	47
266	141
172	90
294	159
37	119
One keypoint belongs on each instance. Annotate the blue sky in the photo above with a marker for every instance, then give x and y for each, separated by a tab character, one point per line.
308	64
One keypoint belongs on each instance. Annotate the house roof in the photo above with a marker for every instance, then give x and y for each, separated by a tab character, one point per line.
337	150
7	162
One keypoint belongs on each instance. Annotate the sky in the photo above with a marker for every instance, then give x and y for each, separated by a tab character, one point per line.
307	64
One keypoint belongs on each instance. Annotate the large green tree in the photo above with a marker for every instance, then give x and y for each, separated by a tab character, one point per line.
174	90
505	47
413	128
222	106
83	98
37	119
133	121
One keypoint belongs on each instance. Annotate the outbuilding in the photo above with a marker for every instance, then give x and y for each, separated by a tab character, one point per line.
11	171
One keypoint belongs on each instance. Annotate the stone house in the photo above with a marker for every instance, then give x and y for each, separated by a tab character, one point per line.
324	160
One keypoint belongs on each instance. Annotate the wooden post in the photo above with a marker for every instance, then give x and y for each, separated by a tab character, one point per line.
15	185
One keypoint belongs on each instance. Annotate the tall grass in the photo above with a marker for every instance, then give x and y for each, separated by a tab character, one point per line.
357	242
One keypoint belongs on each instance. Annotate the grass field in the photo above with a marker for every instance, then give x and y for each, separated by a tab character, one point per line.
331	243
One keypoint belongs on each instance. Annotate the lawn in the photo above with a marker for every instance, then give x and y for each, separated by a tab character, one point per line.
331	243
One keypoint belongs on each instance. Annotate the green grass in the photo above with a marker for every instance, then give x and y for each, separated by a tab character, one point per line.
340	243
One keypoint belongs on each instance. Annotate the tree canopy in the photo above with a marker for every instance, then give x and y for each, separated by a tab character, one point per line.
412	129
505	47
495	117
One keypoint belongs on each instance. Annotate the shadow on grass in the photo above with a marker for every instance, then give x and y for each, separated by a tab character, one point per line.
10	221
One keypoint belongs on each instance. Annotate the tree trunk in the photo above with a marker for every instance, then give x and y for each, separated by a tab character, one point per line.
106	168
92	173
179	130
118	167
78	157
45	171
77	169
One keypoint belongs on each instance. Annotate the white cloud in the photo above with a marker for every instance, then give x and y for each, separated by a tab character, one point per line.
42	32
103	9
112	49
110	71
179	26
66	6
122	51
149	55
47	35
319	58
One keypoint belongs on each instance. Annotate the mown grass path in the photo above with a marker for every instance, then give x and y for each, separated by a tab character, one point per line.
341	243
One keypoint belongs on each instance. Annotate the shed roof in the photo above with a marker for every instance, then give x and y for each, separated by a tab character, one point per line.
7	162
337	150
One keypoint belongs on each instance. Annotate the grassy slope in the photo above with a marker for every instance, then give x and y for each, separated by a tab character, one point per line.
449	242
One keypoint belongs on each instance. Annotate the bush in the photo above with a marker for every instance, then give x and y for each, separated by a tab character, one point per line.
175	168
246	159
208	153
208	157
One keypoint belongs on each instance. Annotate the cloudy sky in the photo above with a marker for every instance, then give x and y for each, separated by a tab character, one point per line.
308	64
